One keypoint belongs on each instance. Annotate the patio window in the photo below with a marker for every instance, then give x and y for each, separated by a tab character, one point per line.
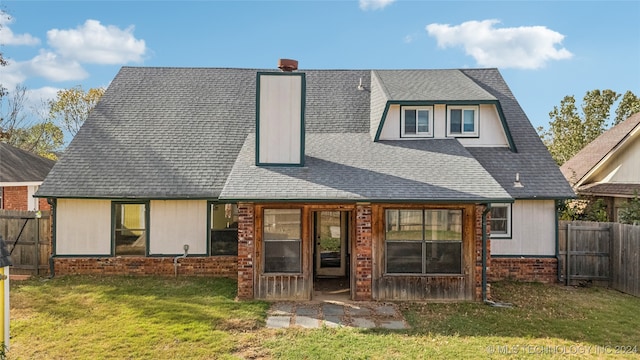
130	228
500	220
425	241
282	241
224	229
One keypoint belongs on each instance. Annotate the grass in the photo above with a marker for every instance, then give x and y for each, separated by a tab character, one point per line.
197	318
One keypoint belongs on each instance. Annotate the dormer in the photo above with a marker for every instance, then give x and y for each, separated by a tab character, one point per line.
435	104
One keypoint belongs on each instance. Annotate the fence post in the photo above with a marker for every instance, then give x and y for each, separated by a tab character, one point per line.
567	274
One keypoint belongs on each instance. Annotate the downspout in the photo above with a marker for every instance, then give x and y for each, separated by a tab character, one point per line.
52	204
484	252
175	260
558	267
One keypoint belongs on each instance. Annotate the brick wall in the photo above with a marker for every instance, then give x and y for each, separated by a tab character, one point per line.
246	222
43	204
543	270
219	266
364	262
478	252
15	198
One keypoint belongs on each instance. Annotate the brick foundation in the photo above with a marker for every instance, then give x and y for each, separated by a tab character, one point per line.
364	261
543	270
217	266
246	222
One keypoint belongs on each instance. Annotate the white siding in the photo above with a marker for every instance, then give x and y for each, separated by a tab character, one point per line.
280	119
83	227
491	132
533	230
174	223
623	167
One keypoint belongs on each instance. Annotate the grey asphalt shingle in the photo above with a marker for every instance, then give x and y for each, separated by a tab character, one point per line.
351	166
177	132
17	165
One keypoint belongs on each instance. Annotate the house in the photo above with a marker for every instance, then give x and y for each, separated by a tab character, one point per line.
607	168
21	173
401	184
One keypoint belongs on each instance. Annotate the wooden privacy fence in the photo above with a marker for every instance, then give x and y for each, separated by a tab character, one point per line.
28	238
605	253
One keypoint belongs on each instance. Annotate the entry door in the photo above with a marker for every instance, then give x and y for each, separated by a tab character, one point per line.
330	244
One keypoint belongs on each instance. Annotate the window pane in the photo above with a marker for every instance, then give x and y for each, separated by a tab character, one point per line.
281	224
409	121
498	226
443	225
444	257
498	212
404	257
130	229
469	120
423	121
404	225
224	229
455	121
282	256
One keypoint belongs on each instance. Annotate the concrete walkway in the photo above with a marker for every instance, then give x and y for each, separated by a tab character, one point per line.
365	315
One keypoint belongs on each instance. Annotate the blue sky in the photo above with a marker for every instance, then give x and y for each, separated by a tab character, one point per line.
545	49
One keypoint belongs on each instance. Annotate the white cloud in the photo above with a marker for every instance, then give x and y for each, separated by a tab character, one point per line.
525	47
7	37
53	67
97	44
374	4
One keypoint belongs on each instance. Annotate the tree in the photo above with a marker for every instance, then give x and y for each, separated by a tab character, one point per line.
72	106
42	137
570	131
629	105
630	212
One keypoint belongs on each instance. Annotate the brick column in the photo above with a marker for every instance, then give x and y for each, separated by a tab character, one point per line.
364	263
478	252
246	237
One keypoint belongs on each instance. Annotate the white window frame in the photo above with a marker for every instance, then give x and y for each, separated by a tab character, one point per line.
417	134
509	212
476	121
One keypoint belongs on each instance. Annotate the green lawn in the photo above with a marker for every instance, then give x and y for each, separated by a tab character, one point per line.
197	318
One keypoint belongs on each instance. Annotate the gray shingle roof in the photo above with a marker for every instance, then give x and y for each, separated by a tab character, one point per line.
587	158
443	85
351	166
17	165
176	133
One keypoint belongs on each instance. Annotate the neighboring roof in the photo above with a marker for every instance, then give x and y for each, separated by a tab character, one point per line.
352	167
166	133
611	189
17	165
591	155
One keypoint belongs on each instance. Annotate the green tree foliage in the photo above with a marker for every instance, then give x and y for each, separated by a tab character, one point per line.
41	137
570	130
629	105
72	106
630	212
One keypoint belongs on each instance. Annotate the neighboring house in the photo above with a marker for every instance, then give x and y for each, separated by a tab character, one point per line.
609	167
21	173
380	178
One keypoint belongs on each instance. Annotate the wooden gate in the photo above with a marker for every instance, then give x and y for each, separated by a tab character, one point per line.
28	238
584	250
